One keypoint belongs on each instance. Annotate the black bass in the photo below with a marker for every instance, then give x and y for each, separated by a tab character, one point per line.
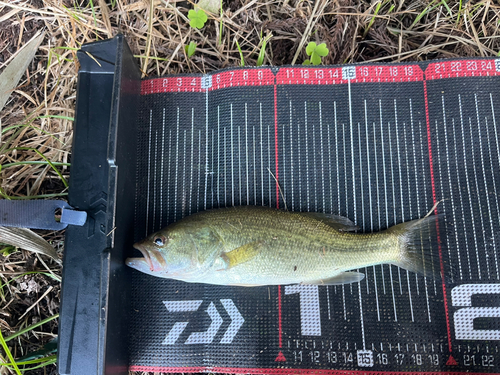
251	246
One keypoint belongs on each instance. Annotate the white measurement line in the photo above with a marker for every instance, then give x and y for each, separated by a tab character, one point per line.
155	184
176	166
314	168
299	165
239	161
246	153
225	168
486	186
149	169
494	161
415	170
461	205
418	208
232	157
352	154
361	315
411	213
168	173
337	155
328	300
478	200
387	215
199	172
184	178
218	156
283	173
212	131
450	187
330	169
385	182
400	183
261	155
393	184
206	149
192	163
162	170
361	178
468	188
343	302
346	194
254	171
291	157
439	169
307	157
370	201
269	163
362	198
322	156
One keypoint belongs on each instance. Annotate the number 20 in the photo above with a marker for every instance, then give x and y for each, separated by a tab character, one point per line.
464	317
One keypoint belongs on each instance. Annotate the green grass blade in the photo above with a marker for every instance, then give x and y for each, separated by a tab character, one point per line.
262	52
44	158
423	13
372	20
58	116
35	162
29	328
447	7
41	196
9	354
31	361
242	63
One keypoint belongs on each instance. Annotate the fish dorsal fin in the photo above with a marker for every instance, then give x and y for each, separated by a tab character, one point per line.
340	223
343	278
241	254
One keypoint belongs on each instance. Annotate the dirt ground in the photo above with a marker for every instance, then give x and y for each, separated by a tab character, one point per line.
36	123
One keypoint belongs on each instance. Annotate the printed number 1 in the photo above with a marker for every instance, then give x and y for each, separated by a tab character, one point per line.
310	319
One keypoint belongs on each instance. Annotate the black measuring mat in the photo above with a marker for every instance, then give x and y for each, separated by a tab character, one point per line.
379	144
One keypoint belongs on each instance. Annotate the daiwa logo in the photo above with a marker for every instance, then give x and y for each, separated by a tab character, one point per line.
204	337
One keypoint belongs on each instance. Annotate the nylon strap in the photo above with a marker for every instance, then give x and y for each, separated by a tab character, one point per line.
39	214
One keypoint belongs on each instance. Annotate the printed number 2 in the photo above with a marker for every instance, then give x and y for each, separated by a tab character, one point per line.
464	318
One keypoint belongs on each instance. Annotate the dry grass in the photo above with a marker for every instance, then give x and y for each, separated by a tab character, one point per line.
37	121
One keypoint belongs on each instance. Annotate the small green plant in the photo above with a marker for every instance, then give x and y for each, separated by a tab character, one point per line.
6	250
190	49
262	52
242	63
316	52
197	18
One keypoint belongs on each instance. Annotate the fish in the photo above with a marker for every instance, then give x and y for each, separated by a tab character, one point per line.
256	246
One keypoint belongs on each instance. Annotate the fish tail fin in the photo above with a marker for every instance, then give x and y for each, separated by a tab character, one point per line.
420	241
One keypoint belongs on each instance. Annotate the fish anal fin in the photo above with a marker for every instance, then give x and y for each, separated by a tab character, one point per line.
337	222
343	278
241	254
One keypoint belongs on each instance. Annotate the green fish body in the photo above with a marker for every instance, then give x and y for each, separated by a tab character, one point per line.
251	246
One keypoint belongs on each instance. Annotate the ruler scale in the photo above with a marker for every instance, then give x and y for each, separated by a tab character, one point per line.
380	144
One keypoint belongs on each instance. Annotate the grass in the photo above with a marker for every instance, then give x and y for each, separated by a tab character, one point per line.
36	126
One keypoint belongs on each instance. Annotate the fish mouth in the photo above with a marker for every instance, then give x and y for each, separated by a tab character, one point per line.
152	260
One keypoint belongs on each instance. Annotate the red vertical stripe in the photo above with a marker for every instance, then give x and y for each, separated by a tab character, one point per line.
441	264
279	315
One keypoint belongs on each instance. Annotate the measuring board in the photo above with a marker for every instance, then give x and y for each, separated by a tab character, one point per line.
379	144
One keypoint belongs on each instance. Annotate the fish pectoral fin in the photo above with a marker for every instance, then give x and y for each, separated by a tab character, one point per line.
343	278
340	223
241	254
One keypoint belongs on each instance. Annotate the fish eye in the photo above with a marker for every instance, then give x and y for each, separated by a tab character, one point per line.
159	240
